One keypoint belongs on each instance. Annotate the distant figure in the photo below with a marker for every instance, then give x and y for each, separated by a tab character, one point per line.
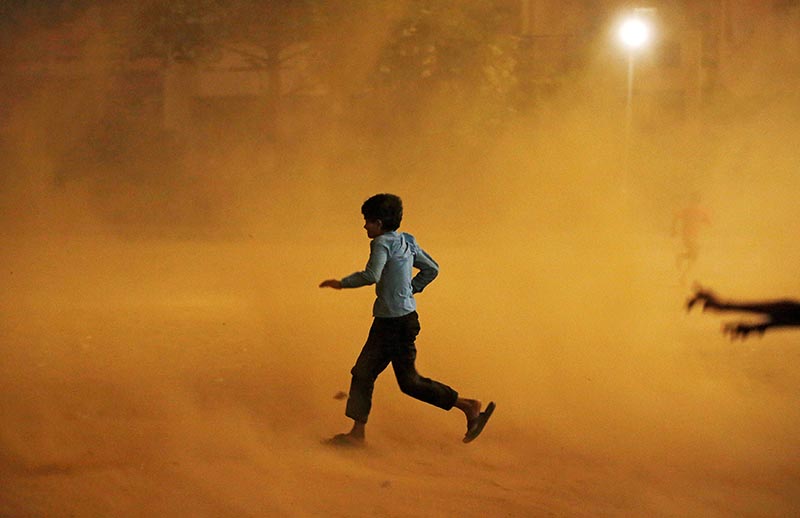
776	313
688	223
396	324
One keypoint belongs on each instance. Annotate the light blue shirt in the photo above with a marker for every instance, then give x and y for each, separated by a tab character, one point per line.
391	258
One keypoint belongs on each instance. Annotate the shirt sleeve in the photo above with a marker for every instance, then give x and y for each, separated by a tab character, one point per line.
428	270
378	255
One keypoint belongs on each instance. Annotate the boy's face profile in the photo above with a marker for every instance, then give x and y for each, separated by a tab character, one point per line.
374	227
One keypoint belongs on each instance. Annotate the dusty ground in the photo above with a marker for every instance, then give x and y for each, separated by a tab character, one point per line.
185	378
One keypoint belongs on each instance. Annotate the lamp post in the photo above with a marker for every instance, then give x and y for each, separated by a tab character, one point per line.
634	34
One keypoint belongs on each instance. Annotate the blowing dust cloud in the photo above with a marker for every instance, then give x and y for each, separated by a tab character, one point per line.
166	349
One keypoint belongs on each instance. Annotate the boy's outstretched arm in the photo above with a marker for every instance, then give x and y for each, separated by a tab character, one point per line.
370	275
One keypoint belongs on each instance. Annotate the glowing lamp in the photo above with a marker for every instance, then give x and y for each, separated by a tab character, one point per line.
634	33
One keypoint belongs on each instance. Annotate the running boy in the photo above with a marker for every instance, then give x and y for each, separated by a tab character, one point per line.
395	325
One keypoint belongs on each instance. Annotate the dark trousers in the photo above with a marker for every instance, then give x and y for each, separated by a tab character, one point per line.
391	340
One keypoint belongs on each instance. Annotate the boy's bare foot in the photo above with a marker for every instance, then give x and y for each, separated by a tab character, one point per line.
354	438
346	439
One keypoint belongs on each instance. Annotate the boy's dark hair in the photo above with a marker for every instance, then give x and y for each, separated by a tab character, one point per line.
386	207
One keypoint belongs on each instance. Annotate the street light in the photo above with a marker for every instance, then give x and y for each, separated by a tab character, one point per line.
634	33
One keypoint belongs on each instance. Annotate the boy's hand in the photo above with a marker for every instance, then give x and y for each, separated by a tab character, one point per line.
331	283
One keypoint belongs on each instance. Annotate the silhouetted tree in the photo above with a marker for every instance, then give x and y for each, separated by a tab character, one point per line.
465	51
263	33
464	48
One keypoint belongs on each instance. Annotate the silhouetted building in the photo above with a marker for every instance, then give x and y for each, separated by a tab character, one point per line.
702	49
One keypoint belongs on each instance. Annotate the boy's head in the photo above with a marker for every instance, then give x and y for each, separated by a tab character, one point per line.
386	208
